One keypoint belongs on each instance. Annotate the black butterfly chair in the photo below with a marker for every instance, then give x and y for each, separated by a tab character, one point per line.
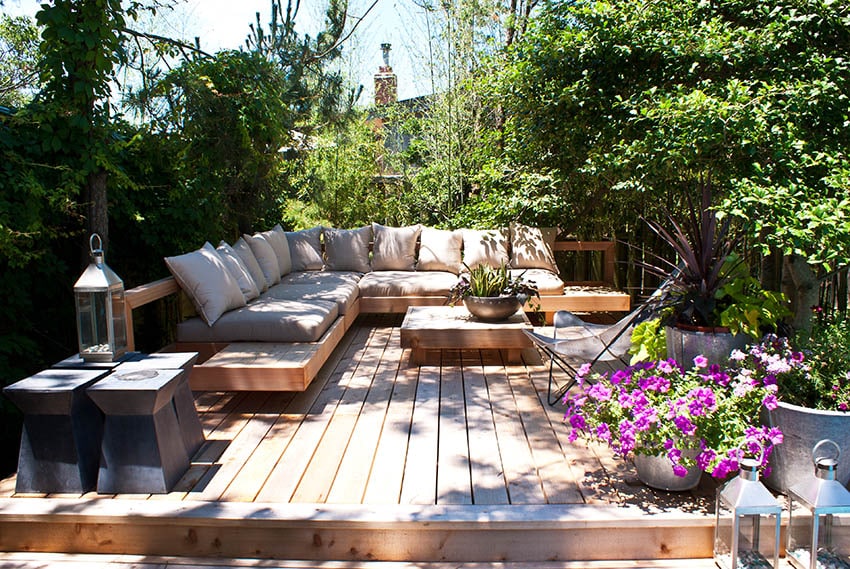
576	340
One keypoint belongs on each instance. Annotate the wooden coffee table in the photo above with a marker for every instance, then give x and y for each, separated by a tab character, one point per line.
454	328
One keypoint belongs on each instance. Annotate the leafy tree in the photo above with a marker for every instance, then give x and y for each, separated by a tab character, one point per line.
628	105
18	55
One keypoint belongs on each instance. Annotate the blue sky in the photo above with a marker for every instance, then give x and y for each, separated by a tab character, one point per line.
223	24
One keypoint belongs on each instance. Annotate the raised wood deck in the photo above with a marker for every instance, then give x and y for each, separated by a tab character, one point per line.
458	459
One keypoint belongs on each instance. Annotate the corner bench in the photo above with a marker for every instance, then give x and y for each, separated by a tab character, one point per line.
268	366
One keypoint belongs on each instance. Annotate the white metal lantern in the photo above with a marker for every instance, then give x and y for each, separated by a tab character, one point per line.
746	530
819	522
99	297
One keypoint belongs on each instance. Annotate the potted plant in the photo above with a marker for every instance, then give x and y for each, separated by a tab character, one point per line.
715	303
676	422
814	398
492	294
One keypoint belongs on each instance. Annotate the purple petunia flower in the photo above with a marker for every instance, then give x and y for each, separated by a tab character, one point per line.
680	470
700	361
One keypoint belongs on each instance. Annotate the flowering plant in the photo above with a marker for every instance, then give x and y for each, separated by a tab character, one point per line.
824	382
660	408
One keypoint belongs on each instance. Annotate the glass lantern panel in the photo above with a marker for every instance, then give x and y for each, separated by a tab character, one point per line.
93	321
119	325
723	533
832	533
745	541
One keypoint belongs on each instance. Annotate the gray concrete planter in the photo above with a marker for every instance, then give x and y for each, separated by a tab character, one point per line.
684	345
656	472
802	429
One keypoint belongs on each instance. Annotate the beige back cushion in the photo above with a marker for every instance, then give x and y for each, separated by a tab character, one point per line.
531	247
244	251
440	250
347	249
485	247
305	249
205	279
266	258
238	271
395	247
277	237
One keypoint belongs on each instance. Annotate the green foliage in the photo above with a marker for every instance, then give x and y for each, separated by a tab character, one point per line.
18	54
751	308
626	102
648	341
487	281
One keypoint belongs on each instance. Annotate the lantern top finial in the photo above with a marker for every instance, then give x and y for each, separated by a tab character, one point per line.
825	461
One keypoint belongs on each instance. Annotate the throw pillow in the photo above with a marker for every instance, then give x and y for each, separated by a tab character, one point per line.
281	249
348	249
440	250
244	251
204	278
485	247
238	271
394	248
305	249
531	247
266	258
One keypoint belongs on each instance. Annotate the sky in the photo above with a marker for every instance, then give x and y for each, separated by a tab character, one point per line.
223	24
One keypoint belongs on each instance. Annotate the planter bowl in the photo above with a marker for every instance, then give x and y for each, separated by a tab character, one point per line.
656	472
802	428
684	345
492	308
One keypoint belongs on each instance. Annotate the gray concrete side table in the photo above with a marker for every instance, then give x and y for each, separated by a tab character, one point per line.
142	450
184	403
60	443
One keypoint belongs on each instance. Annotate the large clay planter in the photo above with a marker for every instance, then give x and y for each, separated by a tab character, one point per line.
657	472
492	308
684	345
802	428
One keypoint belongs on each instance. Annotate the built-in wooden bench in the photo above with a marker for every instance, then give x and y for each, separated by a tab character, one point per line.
255	366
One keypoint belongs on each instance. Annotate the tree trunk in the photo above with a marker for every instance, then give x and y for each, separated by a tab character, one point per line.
98	211
800	284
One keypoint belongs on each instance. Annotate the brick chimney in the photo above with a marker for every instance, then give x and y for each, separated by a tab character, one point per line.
386	82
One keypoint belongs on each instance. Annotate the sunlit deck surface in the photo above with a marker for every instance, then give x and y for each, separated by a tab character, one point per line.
459	459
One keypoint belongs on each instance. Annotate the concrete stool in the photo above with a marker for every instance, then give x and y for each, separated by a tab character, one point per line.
184	403
60	443
142	450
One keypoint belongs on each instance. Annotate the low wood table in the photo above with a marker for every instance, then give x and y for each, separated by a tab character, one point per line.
453	327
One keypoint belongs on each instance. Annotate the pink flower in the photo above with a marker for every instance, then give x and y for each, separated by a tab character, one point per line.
700	361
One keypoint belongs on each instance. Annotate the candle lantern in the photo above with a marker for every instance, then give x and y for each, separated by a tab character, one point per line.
99	297
819	522
746	531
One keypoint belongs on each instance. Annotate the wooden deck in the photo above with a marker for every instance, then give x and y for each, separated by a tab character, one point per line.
458	459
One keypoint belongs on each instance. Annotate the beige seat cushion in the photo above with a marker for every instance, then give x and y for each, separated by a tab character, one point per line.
485	247
547	282
265	320
440	250
407	283
266	258
244	251
321	277
347	249
531	247
239	271
305	249
394	248
342	293
205	279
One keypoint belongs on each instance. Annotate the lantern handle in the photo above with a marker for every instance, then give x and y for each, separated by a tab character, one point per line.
94	250
816	459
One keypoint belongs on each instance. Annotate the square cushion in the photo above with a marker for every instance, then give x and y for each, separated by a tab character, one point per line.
485	247
531	247
244	251
305	249
384	284
205	279
545	281
277	239
347	249
394	248
266	258
239	271
440	250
